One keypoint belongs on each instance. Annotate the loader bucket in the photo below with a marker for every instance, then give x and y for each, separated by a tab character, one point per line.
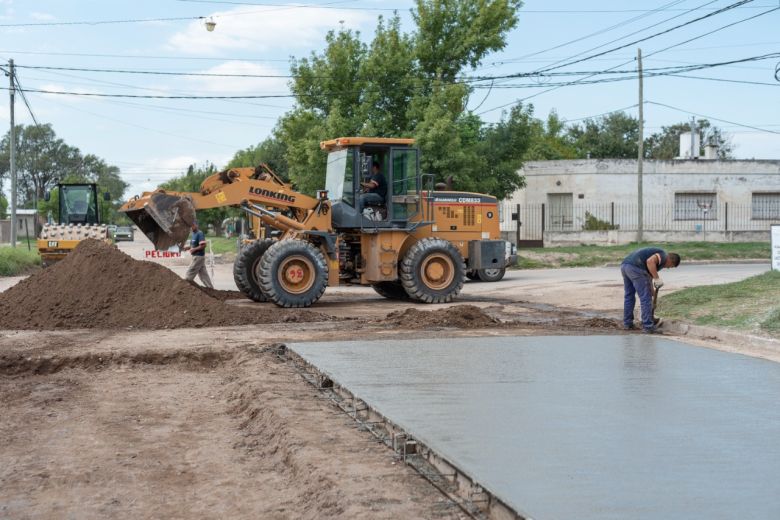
165	219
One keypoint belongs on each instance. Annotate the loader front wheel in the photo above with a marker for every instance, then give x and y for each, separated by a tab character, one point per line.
246	268
433	271
293	273
391	290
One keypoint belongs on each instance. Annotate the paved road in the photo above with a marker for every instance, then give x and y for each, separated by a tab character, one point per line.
594	427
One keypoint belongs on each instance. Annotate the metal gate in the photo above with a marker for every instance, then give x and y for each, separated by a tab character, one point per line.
529	220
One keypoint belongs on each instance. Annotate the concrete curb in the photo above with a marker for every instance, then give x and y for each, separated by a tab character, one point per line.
711	262
725	336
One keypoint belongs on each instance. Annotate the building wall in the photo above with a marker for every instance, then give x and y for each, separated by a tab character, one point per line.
21	232
605	181
607	191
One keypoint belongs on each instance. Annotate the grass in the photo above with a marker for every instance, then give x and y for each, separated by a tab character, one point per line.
590	256
751	305
16	261
222	245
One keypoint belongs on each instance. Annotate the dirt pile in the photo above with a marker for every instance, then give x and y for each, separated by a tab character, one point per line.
459	316
98	286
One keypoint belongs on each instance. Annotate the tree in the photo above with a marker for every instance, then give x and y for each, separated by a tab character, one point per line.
549	141
665	145
400	85
3	207
613	136
41	159
271	152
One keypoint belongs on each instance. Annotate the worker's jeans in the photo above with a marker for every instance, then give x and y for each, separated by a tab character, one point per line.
637	281
369	197
198	268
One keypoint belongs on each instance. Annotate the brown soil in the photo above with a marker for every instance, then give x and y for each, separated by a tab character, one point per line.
459	316
98	286
212	432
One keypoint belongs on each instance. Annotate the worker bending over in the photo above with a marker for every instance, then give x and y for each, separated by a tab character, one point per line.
640	276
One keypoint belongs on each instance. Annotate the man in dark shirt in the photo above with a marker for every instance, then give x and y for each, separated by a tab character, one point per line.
640	276
374	189
197	249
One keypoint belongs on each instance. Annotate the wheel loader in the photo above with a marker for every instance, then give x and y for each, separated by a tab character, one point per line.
78	219
417	244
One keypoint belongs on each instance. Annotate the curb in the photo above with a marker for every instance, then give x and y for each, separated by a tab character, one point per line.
711	262
725	336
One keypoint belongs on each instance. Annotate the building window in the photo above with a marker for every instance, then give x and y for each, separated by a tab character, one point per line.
695	206
561	211
766	206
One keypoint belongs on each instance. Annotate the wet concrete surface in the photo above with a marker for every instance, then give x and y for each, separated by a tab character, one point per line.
596	427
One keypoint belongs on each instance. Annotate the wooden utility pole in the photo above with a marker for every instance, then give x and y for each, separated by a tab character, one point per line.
640	155
12	153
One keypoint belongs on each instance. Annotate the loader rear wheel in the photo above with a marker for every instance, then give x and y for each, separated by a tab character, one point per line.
391	290
247	266
433	271
491	275
293	273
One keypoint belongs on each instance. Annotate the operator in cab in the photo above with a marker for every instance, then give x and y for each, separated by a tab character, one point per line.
374	189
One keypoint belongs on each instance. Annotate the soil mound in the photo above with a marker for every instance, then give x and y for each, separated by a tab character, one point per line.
99	287
219	294
459	316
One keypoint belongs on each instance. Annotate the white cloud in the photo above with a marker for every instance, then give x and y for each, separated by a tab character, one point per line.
259	30
42	17
235	86
755	145
63	98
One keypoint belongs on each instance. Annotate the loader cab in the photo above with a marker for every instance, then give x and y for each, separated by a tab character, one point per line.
349	164
78	204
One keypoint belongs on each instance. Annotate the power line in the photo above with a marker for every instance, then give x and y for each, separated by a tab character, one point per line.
24	98
158	72
603	113
301	6
713	118
102	22
141	56
151	96
654	35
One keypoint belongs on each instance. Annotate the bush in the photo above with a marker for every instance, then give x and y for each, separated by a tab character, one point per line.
594	224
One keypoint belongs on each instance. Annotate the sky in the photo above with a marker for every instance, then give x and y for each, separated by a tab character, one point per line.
152	140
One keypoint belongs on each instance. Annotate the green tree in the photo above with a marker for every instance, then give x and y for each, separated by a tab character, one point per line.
400	85
271	152
3	207
41	159
665	145
613	136
549	141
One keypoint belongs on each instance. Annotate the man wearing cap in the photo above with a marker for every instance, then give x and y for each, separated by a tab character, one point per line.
197	249
640	276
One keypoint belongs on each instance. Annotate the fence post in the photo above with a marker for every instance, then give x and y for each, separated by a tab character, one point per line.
612	214
726	215
543	226
517	231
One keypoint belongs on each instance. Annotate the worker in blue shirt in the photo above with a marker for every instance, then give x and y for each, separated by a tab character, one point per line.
640	276
197	249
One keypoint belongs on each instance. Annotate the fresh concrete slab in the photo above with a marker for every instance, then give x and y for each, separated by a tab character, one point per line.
595	427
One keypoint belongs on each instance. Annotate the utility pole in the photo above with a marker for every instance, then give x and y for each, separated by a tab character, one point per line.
694	152
12	152
641	154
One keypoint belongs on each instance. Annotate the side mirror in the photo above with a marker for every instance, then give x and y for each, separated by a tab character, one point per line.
107	196
47	196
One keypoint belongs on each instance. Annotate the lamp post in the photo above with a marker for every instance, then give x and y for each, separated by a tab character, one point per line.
704	206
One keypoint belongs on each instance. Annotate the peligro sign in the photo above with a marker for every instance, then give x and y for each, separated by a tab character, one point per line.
153	253
775	234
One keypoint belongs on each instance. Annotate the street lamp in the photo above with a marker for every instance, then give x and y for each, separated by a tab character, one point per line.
210	24
704	206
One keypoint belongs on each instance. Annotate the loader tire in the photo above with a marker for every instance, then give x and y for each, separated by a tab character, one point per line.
391	290
433	271
246	268
491	275
293	273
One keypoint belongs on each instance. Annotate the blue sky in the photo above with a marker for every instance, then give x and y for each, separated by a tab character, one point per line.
153	140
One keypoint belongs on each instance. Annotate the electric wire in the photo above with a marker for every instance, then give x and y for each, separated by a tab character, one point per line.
713	117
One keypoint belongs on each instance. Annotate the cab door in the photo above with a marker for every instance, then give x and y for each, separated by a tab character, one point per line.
405	184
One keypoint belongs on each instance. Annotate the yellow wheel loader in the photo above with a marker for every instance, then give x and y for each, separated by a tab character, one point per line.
78	219
414	244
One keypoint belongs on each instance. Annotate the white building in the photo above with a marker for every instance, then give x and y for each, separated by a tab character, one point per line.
596	201
25	225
